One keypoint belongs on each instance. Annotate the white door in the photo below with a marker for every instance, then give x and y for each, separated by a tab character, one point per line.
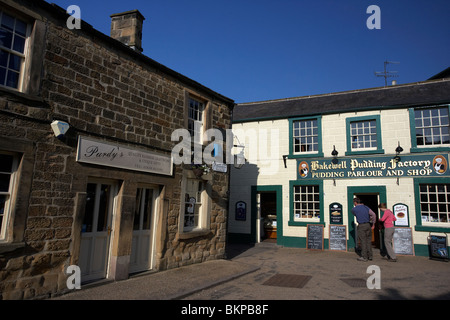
259	220
96	230
143	230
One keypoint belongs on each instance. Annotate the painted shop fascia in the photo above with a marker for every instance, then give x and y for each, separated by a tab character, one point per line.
374	167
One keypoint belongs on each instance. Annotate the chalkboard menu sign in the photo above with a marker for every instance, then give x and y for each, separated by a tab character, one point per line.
438	247
314	237
338	238
403	242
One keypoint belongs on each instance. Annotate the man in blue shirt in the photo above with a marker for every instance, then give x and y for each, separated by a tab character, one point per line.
364	218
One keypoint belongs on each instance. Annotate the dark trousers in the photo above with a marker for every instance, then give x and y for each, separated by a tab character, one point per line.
365	238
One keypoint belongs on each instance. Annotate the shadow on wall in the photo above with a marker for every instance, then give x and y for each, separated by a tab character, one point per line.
242	213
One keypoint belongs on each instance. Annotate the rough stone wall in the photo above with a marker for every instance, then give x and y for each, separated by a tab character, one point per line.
102	91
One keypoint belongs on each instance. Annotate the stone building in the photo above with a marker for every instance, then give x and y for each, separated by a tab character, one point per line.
308	157
105	195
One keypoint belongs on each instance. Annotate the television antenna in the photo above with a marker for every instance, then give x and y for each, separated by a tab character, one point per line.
387	74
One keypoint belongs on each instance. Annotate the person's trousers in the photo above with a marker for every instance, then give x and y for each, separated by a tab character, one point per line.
388	235
365	238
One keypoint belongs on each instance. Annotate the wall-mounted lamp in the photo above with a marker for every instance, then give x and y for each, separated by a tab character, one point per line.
334	153
59	128
398	150
239	159
284	160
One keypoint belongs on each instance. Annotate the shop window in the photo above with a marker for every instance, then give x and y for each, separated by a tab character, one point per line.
8	167
13	38
364	135
306	204
193	204
435	203
305	137
430	128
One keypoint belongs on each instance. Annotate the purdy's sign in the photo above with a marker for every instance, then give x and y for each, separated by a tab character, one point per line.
374	167
118	156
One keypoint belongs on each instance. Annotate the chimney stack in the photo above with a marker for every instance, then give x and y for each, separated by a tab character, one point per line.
127	28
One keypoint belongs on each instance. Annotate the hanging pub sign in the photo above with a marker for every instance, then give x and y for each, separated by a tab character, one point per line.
374	167
335	213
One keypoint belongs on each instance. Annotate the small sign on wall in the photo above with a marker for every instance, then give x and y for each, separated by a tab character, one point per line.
335	213
401	213
241	211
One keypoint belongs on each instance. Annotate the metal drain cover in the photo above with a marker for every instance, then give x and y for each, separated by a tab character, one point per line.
288	280
355	282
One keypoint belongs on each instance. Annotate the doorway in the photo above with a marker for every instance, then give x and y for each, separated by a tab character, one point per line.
370	196
271	203
142	246
96	229
268	214
372	201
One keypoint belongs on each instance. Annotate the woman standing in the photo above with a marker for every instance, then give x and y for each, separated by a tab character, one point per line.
388	219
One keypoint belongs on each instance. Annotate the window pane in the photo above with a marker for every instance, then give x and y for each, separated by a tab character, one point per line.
148	209
6	162
137	210
3	58
12	79
21	28
5	38
3	199
14	62
19	44
102	222
7	21
89	211
4	182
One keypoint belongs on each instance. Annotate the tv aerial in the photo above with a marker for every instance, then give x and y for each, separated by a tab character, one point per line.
387	74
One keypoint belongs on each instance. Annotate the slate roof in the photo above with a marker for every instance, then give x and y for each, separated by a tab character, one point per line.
413	94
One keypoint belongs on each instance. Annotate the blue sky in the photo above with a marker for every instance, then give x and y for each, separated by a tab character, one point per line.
253	50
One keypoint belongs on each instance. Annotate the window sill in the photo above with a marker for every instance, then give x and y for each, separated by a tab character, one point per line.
305	155
432	229
430	149
9	247
17	96
304	223
193	234
363	152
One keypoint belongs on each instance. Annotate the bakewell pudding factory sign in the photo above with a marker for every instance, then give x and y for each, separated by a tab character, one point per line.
374	167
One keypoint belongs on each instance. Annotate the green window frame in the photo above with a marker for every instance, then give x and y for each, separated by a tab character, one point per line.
303	223
378	149
419	226
413	127
295	136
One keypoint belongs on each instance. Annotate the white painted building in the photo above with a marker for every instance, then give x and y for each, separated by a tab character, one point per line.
293	178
